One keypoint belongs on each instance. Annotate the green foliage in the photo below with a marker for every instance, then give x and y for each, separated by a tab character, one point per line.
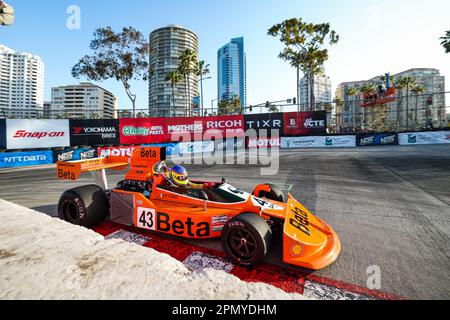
446	41
230	107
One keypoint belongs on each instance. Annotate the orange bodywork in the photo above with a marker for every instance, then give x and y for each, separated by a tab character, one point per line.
307	241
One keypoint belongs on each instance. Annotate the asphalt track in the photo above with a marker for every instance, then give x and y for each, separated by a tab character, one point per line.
390	206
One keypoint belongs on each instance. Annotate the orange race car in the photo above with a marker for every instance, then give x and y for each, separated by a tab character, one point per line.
244	222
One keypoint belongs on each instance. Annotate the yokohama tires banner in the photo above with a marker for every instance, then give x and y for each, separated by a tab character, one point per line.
33	134
158	130
94	132
305	123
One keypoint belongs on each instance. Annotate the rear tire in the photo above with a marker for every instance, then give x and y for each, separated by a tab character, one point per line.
274	194
85	206
246	239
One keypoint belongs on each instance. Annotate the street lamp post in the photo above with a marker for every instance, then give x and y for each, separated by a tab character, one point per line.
212	105
201	91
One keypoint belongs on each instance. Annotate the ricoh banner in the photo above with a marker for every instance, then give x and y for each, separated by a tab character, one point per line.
318	142
20	159
159	130
432	137
305	123
94	132
377	139
33	134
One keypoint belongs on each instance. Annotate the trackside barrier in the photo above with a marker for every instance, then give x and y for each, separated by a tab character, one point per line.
21	159
195	147
318	142
432	137
75	154
376	139
171	148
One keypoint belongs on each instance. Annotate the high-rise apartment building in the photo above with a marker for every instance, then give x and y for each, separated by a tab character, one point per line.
85	100
413	111
232	71
322	93
21	84
166	46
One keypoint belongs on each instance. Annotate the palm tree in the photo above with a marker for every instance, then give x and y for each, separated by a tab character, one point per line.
339	104
366	89
353	92
418	89
174	77
202	70
446	41
406	83
186	67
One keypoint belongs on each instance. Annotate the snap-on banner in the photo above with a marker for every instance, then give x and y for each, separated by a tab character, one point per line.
33	134
74	154
305	123
21	159
160	130
431	137
2	134
94	132
377	139
318	142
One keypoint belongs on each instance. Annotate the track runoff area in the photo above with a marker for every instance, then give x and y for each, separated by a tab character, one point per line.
389	206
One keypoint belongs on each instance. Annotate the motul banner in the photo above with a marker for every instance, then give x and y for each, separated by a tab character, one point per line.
264	143
34	134
305	123
94	132
158	130
114	151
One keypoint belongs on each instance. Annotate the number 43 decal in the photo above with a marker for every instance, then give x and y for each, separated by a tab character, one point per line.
146	218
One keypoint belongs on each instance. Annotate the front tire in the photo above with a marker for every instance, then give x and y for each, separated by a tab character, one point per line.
85	206
274	194
246	239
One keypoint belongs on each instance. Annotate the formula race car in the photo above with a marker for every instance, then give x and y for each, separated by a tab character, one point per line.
244	222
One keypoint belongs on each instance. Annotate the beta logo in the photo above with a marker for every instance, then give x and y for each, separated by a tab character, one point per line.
149	219
300	221
147	153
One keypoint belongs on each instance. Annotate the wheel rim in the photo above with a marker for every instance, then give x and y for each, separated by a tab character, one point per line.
242	244
70	212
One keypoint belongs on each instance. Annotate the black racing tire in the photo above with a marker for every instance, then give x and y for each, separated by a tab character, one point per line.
246	239
274	194
85	206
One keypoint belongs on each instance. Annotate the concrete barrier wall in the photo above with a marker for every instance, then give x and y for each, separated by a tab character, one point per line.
46	258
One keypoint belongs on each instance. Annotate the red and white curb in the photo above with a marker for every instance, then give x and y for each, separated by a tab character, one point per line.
197	258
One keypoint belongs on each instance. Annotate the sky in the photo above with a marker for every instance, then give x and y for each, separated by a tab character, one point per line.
375	37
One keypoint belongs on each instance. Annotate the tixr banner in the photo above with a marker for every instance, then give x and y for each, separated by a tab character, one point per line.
157	130
268	121
305	123
376	139
20	159
94	132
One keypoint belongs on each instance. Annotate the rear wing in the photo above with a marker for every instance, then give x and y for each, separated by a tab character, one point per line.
72	170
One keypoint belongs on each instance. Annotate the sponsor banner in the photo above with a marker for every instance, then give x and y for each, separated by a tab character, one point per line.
432	137
305	123
196	147
20	159
158	130
264	143
229	144
74	154
2	134
377	139
114	151
33	134
268	121
318	142
171	148
94	132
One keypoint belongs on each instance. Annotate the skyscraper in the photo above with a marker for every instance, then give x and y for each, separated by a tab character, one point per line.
232	71
322	92
166	46
21	83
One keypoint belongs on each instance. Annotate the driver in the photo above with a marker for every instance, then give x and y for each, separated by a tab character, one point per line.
178	177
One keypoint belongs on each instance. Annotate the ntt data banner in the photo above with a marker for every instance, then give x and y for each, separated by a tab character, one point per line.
158	130
305	123
377	139
20	159
318	142
94	132
432	137
33	134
